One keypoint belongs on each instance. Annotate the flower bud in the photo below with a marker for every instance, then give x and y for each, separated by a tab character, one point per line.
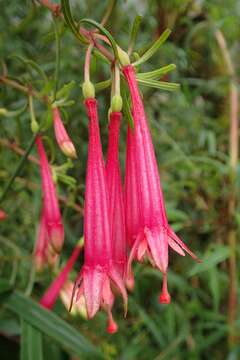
123	57
62	137
116	103
88	90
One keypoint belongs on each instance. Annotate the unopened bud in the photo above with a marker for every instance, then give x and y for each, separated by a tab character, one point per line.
123	57
34	126
3	111
88	90
116	103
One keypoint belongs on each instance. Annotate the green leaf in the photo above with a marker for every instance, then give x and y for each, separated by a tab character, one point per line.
70	21
134	32
64	92
5	286
102	85
151	51
162	85
216	256
156	74
52	325
104	32
31	343
28	63
14	113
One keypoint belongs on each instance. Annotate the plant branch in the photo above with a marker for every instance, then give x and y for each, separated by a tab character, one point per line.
232	205
18	169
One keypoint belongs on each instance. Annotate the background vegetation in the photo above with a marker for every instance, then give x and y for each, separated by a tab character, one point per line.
200	176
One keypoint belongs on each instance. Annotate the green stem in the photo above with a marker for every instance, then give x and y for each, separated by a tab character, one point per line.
57	60
18	169
108	12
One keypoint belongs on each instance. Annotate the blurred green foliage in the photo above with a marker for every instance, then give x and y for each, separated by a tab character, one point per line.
190	130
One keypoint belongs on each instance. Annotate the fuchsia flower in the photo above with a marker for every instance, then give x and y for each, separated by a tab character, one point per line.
40	256
62	137
147	227
3	215
116	206
49	298
50	202
98	272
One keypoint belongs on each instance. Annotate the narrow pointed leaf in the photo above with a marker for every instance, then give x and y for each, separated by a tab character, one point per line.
102	85
134	31
156	74
70	21
151	51
51	325
162	85
31	342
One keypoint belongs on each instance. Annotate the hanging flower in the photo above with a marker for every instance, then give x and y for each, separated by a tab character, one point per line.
50	202
116	206
3	215
49	298
40	256
152	235
62	137
98	271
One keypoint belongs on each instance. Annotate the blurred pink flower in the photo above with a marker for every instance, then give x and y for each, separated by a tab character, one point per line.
50	201
151	233
40	256
62	137
3	215
49	298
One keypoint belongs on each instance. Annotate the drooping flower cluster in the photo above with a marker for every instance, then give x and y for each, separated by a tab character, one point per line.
121	225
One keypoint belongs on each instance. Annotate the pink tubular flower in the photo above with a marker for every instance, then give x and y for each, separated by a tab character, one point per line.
94	280
3	215
39	255
49	298
116	206
50	202
151	234
62	137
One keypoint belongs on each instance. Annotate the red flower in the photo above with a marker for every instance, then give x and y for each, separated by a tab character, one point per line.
98	272
50	202
62	137
116	206
49	298
148	226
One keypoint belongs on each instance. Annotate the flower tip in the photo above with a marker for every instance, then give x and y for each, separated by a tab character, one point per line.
112	327
3	215
69	150
164	298
130	282
56	236
38	263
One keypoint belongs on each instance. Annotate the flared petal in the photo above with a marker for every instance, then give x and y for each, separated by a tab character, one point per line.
93	279
175	246
118	282
175	238
158	245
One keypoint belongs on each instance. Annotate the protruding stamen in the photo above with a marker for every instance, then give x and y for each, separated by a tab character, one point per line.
164	297
112	326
